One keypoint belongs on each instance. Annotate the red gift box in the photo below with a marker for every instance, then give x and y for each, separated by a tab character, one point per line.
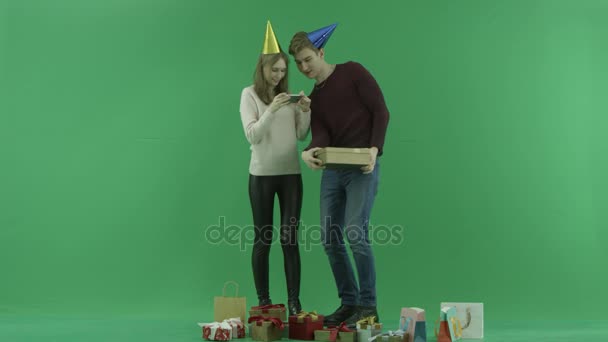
303	325
217	331
238	328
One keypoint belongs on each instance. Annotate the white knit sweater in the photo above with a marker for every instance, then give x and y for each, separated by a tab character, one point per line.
273	136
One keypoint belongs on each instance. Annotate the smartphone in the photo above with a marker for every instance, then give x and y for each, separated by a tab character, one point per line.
294	98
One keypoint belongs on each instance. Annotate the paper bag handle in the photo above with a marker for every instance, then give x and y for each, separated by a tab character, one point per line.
468	322
236	285
457	327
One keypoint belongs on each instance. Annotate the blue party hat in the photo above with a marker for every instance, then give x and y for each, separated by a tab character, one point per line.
320	37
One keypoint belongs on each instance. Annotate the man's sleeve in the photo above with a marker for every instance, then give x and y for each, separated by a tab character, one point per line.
318	130
372	97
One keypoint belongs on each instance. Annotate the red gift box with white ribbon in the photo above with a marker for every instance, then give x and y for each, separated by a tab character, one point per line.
217	331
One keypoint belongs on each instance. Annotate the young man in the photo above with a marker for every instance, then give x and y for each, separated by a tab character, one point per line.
348	110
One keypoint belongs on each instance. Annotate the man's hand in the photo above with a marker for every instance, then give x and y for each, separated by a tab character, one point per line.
370	168
309	158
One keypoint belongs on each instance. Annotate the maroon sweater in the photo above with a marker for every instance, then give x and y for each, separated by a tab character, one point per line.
348	110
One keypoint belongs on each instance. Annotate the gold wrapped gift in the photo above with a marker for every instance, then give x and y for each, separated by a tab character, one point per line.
266	332
272	310
368	328
395	338
391	336
301	316
344	158
340	333
369	323
266	328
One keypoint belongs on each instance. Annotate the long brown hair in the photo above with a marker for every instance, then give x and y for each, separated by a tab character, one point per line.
260	85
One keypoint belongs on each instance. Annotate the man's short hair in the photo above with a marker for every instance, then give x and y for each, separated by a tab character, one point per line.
300	42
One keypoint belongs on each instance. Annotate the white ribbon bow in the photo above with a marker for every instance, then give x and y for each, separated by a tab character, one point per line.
215	325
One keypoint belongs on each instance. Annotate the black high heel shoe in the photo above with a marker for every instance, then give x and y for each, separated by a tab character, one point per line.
265	301
294	306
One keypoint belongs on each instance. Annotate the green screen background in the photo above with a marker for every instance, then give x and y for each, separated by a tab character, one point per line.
121	143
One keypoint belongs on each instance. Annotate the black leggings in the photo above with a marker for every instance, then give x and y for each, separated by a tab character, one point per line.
262	190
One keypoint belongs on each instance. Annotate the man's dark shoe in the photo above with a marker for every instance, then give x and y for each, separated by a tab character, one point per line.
361	313
340	315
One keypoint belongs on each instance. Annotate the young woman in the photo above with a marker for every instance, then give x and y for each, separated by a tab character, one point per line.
273	124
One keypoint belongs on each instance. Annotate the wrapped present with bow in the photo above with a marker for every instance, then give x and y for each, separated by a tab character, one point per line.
270	310
448	328
285	330
391	336
367	328
216	331
340	333
238	327
413	321
266	328
303	325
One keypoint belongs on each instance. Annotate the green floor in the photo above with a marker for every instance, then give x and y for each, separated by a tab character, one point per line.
18	328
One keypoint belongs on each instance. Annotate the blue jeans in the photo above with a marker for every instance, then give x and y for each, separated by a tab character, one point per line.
347	197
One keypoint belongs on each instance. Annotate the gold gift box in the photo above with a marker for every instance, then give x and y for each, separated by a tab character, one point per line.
344	158
277	311
266	332
394	338
343	336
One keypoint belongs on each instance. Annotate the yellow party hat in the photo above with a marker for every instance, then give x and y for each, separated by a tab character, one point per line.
270	41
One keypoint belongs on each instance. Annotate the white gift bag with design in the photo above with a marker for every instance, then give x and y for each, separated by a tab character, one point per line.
471	318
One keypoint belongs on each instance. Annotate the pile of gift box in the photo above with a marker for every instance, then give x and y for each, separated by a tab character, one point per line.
271	323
